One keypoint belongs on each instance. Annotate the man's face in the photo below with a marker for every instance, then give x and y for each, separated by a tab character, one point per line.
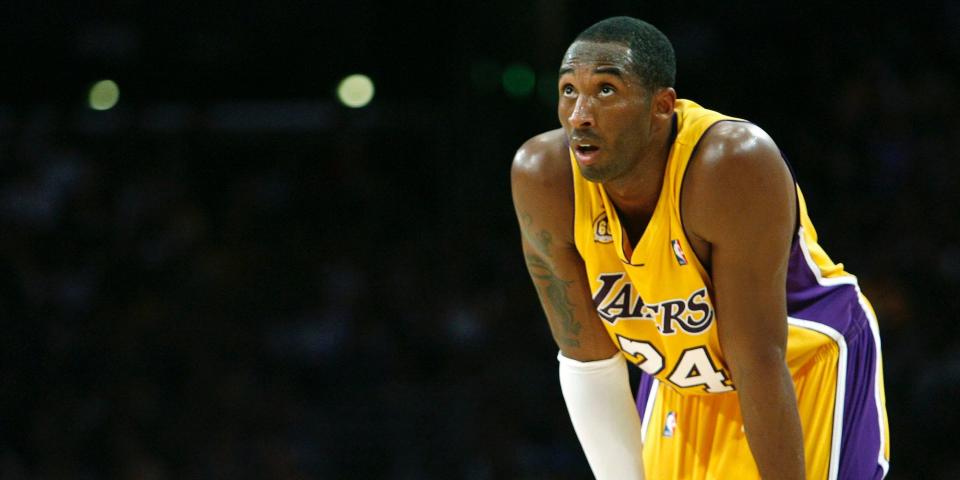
604	109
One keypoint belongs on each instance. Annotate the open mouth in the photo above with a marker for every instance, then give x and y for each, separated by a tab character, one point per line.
587	148
586	153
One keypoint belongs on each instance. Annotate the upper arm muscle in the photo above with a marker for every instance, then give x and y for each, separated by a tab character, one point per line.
743	203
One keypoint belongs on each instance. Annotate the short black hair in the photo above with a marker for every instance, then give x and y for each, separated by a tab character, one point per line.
651	51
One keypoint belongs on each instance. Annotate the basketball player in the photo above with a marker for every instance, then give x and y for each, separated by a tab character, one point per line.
675	237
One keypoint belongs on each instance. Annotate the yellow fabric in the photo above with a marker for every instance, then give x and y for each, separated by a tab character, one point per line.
655	280
708	442
656	306
828	269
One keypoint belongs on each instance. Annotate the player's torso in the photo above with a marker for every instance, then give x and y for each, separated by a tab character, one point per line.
656	303
657	308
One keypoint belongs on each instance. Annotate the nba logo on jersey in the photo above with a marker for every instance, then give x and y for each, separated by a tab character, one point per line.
678	252
670	424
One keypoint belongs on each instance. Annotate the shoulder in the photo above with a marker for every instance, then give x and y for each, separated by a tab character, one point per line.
736	154
543	159
542	184
733	145
737	169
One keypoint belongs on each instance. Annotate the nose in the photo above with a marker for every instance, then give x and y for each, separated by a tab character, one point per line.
582	114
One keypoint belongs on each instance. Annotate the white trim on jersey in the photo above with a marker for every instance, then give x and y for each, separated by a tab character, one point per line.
875	330
648	409
837	436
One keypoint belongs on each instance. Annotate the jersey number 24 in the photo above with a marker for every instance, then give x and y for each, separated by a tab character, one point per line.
693	369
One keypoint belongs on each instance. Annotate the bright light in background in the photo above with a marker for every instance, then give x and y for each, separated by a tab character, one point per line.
355	91
104	95
518	80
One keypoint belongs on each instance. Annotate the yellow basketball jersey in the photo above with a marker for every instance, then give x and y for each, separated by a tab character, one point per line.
656	305
657	308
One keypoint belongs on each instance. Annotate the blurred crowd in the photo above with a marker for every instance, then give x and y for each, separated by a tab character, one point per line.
351	302
204	305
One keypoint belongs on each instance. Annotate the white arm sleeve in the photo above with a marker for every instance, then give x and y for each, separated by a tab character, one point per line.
604	416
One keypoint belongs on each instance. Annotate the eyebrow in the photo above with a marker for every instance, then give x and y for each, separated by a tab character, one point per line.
615	71
609	70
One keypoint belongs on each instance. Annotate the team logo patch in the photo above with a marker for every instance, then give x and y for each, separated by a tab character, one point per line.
601	229
678	252
670	425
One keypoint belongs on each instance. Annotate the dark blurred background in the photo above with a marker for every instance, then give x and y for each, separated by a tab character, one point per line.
228	274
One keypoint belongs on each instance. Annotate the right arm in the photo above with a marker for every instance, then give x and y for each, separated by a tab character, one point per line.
593	374
543	198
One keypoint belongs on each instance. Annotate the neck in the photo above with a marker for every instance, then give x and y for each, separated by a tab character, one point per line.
635	193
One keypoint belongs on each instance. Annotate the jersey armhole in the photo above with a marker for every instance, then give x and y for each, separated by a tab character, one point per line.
796	186
683	178
783	156
576	200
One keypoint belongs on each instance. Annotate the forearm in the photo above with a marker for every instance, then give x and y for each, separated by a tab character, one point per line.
604	416
768	404
560	279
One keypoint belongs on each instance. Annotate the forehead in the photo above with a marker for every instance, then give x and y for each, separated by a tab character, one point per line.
589	54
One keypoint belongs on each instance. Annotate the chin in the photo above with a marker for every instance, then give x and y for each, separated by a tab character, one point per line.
592	173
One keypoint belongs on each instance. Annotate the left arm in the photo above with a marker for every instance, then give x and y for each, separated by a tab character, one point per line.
745	209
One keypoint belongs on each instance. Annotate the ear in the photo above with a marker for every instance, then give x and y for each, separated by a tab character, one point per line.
661	105
661	109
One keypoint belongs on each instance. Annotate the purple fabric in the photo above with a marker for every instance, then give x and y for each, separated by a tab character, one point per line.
643	391
860	441
834	306
838	307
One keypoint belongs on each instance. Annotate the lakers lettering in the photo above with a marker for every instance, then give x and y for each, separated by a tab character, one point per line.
616	300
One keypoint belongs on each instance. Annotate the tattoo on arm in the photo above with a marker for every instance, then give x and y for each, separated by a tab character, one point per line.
544	238
526	218
553	289
541	241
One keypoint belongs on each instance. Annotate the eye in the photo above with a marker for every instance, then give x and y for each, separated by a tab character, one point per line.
607	90
567	90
